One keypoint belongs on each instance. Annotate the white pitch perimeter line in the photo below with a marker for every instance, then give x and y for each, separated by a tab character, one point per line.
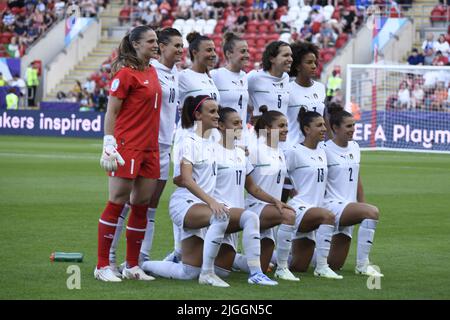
47	156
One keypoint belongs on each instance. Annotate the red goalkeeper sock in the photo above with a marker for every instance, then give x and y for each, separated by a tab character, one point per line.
135	233
106	228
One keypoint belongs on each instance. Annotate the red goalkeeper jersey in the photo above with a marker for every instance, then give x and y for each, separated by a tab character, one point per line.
137	124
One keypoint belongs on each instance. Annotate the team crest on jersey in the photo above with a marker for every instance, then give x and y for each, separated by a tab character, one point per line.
278	85
320	159
211	82
115	85
146	82
315	96
351	156
172	78
239	83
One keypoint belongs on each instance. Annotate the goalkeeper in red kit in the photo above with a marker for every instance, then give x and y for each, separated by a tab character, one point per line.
130	149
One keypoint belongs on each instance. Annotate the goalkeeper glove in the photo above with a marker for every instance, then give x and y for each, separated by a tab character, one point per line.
110	156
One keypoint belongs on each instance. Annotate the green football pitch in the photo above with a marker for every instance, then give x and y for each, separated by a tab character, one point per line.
52	191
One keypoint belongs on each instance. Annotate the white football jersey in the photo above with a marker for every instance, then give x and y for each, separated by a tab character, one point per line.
265	89
232	169
201	153
311	98
168	78
269	169
343	171
233	89
307	169
194	84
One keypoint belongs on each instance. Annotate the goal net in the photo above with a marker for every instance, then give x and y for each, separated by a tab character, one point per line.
400	107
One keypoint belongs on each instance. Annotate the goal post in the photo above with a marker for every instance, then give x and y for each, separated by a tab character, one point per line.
401	107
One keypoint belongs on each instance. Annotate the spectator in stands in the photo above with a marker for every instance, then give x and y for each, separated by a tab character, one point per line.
200	9
183	9
88	8
439	102
327	34
230	22
269	9
442	45
164	9
417	96
89	86
257	12
416	58
241	21
440	59
428	48
306	31
403	96
348	20
13	48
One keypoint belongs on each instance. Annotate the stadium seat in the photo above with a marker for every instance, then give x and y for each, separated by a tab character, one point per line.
252	28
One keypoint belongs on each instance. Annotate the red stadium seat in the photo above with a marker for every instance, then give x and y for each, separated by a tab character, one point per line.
252	28
261	42
167	23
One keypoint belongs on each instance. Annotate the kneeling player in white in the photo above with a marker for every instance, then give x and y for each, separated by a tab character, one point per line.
192	206
307	169
269	174
345	196
233	173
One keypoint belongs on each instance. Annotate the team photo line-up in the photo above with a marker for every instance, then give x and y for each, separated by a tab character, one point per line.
289	180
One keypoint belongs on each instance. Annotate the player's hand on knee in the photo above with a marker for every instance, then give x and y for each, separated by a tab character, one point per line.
110	157
220	210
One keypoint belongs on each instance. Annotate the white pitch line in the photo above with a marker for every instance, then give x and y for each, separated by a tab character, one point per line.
48	156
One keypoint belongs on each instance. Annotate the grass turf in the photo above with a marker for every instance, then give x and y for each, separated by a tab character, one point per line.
52	192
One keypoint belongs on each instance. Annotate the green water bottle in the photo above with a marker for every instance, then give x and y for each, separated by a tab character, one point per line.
66	256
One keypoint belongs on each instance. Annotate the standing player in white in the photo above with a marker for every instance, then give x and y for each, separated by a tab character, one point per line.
303	92
171	51
231	80
307	169
192	206
345	196
269	173
194	82
270	86
233	174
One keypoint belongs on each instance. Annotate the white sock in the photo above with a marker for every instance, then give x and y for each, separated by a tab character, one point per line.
171	270
314	259
323	243
118	233
366	234
284	244
146	245
176	239
251	242
240	262
213	240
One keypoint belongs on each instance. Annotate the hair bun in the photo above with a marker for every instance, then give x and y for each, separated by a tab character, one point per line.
334	107
263	109
228	36
192	36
